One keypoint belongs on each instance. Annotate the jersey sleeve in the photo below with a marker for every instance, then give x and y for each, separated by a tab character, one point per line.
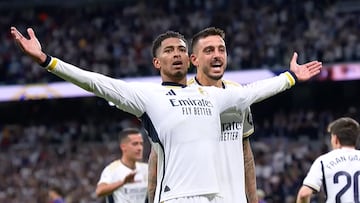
248	124
105	176
125	96
248	128
314	177
242	97
266	88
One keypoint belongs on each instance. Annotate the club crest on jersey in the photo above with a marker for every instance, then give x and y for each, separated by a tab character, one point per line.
202	91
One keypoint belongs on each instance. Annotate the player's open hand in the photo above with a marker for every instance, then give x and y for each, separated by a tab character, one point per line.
29	46
130	178
306	71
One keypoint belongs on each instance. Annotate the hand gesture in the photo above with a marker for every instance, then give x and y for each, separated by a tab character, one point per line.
130	178
30	46
306	71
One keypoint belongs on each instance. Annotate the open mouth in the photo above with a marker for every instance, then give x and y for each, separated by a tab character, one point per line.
177	63
216	64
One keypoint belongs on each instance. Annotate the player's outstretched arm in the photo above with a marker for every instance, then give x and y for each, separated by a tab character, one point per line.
117	91
305	71
30	46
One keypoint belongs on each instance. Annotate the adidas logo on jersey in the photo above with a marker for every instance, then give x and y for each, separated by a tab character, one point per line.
171	92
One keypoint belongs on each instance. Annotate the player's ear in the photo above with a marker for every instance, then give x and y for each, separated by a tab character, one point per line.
194	60
156	63
337	141
123	147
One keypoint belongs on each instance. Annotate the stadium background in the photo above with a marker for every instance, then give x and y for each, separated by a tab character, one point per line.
67	142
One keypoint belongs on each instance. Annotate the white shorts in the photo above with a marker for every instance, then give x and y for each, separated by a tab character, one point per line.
197	199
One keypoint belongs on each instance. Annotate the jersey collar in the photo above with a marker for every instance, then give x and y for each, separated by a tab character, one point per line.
172	84
197	81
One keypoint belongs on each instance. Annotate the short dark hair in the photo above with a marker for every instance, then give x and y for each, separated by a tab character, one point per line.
210	31
126	132
57	190
160	38
346	129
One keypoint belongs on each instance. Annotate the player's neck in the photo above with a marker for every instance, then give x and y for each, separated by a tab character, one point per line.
205	81
347	147
128	163
180	80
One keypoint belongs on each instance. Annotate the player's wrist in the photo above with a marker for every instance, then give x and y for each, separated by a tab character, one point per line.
44	60
291	77
294	76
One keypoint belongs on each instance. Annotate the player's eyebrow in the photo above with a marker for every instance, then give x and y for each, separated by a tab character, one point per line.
173	47
209	47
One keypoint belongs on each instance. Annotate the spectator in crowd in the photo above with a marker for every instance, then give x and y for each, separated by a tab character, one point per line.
105	45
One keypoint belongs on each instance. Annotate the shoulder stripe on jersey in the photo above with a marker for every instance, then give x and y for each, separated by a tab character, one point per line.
191	81
232	83
153	135
149	127
110	199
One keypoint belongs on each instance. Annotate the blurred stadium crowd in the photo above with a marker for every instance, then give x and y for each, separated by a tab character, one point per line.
71	154
115	39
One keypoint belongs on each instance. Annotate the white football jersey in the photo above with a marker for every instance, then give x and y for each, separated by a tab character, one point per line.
131	192
235	126
338	171
182	123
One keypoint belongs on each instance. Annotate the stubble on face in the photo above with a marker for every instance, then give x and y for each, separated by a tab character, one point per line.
211	57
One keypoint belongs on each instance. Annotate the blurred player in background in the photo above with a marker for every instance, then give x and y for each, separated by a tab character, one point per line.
56	195
337	171
210	59
125	179
183	123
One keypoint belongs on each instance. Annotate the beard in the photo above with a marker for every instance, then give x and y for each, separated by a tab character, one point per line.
215	77
178	74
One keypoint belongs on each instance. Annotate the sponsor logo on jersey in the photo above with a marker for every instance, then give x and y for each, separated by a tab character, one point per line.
191	102
230	131
197	107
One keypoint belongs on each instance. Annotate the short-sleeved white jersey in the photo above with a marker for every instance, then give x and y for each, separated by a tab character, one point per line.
235	126
183	123
338	171
131	192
